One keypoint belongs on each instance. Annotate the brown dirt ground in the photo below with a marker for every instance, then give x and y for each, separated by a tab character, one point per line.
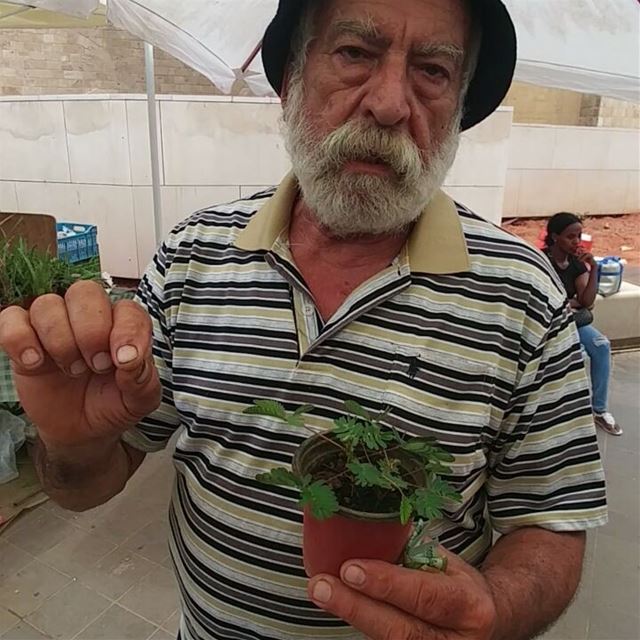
615	235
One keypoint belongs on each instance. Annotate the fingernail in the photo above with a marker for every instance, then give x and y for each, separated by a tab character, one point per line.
30	357
102	362
127	354
78	368
354	575
322	591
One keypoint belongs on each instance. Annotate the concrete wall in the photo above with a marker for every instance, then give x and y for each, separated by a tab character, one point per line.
102	60
542	105
616	113
585	170
539	105
86	159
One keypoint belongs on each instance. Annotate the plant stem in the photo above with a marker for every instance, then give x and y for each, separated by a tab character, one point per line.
333	441
338	475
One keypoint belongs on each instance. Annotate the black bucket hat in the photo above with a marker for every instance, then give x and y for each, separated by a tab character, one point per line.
490	83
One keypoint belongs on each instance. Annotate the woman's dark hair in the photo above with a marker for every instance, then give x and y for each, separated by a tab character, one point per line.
557	224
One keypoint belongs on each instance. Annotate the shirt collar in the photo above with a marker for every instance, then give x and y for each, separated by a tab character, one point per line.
436	245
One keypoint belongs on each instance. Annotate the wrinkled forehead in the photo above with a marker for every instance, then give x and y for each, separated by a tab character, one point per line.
412	22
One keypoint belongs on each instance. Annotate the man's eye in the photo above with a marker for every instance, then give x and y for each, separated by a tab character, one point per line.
353	53
434	72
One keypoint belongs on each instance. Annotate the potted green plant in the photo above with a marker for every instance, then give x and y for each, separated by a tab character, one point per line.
362	484
27	273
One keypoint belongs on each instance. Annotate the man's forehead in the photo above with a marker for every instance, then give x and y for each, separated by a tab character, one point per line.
368	31
377	18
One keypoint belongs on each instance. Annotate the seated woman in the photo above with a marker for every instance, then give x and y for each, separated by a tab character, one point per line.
570	260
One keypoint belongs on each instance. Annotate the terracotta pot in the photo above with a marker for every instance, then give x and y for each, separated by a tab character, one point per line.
350	534
327	544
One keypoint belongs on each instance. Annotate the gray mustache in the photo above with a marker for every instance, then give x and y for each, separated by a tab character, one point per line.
353	142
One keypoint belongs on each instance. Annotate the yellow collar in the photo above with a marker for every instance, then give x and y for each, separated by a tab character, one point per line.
436	245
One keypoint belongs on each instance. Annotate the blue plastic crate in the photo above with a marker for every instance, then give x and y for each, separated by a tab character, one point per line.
82	245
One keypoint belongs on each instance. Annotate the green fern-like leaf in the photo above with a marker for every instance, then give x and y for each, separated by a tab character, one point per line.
396	436
441	488
320	499
281	477
356	409
406	510
394	481
441	455
391	469
375	437
367	475
354	432
294	421
437	468
420	445
267	408
428	504
390	466
305	408
348	430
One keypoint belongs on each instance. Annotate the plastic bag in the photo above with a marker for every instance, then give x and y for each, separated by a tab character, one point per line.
12	437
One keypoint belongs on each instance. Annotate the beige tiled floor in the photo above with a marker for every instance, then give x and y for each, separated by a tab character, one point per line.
98	575
105	574
608	604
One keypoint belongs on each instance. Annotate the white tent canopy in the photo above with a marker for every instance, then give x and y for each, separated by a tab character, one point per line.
215	37
48	14
590	46
77	8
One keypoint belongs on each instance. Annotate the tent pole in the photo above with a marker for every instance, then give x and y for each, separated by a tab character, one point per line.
149	69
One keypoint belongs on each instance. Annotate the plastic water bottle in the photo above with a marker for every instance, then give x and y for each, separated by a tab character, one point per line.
610	272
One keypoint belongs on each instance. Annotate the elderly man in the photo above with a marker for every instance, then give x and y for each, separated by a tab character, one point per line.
356	278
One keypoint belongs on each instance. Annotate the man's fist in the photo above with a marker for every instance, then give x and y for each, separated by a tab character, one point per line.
83	368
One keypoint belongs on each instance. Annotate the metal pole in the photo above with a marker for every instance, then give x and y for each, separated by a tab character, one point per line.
153	140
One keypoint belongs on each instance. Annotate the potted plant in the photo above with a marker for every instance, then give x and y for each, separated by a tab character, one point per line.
27	273
362	484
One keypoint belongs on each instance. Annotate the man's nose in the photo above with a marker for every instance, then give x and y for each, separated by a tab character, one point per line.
386	98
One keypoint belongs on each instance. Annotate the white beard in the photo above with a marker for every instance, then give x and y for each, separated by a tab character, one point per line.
349	204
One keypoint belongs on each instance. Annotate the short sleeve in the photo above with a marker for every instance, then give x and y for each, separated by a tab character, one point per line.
545	469
153	433
579	267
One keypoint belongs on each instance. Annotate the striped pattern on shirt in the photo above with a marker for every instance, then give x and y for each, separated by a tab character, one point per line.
481	354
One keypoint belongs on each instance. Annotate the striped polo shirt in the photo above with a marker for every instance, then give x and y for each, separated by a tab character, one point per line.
464	337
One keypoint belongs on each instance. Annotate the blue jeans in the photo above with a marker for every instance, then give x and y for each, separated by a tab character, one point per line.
598	349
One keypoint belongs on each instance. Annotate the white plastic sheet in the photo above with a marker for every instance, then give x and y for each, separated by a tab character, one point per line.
51	14
12	436
215	37
591	46
77	8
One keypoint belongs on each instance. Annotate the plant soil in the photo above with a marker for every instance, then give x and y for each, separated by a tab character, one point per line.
332	470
